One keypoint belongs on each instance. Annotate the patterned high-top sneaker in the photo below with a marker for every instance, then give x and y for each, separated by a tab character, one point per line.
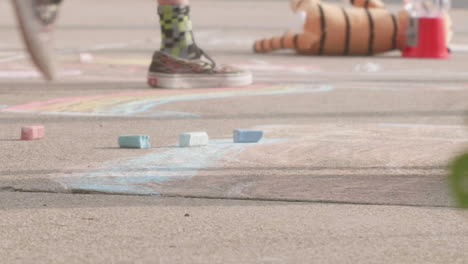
167	71
180	64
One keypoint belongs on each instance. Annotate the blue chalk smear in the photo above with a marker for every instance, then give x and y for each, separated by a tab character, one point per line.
247	136
140	142
143	175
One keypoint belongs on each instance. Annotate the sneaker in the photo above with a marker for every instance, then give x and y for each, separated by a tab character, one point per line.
170	72
36	19
47	10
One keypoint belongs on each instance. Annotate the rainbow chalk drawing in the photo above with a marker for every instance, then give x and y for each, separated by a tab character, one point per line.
144	175
145	103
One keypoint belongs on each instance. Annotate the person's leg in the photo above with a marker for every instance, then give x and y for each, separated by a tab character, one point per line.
178	63
176	29
36	19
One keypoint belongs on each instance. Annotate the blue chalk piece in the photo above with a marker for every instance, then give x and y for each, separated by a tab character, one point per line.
140	142
247	136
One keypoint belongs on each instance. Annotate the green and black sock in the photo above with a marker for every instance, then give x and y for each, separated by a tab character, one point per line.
176	32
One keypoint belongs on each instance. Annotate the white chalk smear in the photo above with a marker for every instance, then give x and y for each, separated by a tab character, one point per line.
459	47
12	58
34	74
368	67
86	57
419	125
19	74
261	65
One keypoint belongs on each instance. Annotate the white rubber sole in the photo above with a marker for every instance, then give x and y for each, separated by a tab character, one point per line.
36	38
189	81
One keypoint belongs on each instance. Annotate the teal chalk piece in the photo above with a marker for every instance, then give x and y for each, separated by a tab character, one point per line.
247	136
459	180
138	142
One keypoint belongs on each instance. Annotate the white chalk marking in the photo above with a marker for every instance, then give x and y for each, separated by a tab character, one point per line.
235	42
103	47
369	67
419	125
19	74
12	58
261	65
459	47
7	53
86	57
35	74
98	47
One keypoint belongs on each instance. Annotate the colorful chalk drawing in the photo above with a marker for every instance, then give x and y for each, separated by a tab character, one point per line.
144	103
142	175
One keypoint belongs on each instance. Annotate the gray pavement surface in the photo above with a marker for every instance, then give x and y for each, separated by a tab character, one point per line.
352	169
54	228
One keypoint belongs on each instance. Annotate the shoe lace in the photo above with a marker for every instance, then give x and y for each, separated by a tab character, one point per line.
212	62
199	53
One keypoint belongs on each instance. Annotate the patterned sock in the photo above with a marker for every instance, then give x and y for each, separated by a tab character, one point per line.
176	31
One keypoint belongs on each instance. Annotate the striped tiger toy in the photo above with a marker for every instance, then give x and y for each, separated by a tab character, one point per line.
365	29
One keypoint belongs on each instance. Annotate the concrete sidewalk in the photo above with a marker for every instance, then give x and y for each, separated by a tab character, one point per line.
352	168
54	228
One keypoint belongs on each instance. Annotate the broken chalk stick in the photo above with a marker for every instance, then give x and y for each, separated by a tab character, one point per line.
139	142
193	139
32	132
247	136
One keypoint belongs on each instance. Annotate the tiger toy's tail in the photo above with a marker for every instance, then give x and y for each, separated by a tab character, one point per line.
287	41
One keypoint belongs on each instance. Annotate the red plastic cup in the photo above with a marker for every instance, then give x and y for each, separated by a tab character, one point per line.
431	40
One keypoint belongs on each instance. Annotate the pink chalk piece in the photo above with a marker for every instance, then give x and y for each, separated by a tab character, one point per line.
32	132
